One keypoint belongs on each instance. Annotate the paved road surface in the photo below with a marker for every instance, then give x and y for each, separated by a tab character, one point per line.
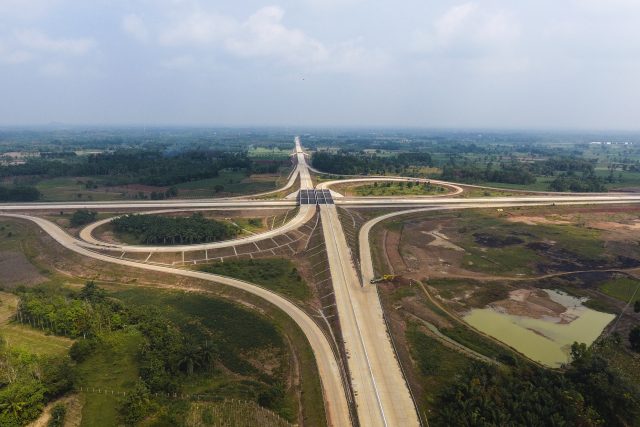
381	394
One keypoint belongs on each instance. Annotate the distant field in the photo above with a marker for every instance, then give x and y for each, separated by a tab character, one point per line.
228	183
266	153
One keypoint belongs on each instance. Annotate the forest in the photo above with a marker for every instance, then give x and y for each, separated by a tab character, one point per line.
589	392
138	166
161	230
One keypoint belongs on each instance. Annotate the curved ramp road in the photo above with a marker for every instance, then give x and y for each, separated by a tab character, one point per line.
334	394
456	188
305	214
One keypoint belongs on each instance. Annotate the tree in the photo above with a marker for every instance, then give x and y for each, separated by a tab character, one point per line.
82	217
636	306
634	339
136	405
92	292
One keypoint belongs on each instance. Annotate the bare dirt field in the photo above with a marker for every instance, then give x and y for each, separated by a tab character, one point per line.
17	270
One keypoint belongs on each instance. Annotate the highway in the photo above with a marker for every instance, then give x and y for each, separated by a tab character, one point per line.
381	393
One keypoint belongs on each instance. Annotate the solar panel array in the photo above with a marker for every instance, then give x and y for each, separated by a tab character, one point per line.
315	197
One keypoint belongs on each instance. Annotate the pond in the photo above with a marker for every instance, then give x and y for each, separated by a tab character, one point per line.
545	339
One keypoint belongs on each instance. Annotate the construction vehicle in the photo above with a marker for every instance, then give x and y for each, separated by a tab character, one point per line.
384	278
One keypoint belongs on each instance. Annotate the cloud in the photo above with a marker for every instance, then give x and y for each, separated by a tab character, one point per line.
264	35
468	30
134	26
179	62
37	41
199	28
13	56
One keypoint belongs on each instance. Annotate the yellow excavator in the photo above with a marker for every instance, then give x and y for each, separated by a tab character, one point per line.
384	278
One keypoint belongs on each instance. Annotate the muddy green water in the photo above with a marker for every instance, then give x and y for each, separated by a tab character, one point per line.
545	340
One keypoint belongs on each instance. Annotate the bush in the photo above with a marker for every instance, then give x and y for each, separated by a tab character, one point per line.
21	402
58	414
136	405
57	376
634	339
82	349
82	217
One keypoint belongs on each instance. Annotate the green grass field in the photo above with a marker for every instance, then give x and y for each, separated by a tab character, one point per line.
623	288
64	189
112	366
233	182
436	365
277	274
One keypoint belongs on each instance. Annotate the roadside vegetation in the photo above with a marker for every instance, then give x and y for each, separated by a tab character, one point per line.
82	217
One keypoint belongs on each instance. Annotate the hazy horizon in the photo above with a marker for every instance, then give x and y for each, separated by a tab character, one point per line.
446	65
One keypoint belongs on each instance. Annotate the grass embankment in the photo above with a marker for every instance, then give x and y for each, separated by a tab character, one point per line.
436	364
470	192
277	274
622	288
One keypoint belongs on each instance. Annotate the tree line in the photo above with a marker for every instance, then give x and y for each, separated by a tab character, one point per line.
162	230
589	392
149	167
20	193
361	163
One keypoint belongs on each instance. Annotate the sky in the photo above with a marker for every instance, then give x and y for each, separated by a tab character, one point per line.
543	64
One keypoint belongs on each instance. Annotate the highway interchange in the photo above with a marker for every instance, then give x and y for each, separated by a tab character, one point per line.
382	397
